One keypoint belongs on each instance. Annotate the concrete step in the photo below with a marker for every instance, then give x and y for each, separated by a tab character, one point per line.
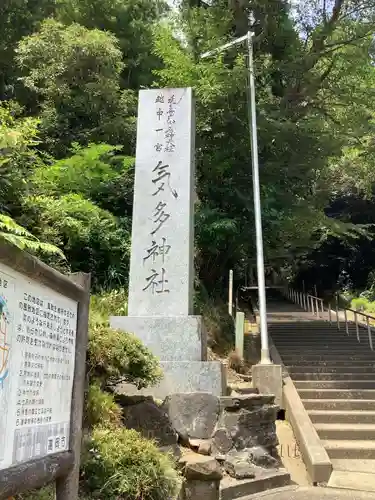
310	334
321	362
347	465
360	432
339	404
306	376
331	369
337	394
231	489
360	481
350	449
328	356
342	347
342	417
334	384
288	330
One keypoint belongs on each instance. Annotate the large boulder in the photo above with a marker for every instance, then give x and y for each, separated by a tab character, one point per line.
250	428
145	416
193	415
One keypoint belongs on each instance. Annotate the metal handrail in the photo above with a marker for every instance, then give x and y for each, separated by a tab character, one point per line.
316	306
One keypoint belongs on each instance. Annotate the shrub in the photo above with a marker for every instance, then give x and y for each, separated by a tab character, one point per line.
46	493
112	303
119	464
101	408
219	324
115	356
235	362
360	304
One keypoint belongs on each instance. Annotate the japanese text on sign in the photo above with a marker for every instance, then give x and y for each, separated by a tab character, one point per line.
37	350
162	180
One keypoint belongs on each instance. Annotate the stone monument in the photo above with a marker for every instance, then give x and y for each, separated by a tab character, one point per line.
160	308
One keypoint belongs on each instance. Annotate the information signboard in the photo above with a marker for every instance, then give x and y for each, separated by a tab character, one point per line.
38	329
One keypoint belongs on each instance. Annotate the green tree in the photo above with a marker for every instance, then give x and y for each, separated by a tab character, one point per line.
311	103
132	22
93	239
19	18
75	74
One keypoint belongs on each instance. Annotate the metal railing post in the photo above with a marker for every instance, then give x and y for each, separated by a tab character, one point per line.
330	313
322	304
369	332
357	326
317	307
337	314
346	322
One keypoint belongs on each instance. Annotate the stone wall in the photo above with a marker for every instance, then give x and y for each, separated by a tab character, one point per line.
213	438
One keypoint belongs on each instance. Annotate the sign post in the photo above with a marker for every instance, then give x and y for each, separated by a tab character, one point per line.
43	341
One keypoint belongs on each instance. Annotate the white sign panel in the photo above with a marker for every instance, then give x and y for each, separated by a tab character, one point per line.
161	270
37	351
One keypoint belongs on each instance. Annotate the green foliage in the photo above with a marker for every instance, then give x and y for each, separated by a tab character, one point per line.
75	74
218	323
46	493
360	304
312	100
109	303
119	463
92	238
101	408
115	356
82	173
132	23
11	232
18	136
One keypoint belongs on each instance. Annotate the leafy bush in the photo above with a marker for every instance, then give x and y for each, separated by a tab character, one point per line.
115	356
370	308
101	408
219	325
360	304
46	493
92	238
112	303
121	464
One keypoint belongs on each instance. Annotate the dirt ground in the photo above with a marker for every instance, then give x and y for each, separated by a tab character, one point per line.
290	454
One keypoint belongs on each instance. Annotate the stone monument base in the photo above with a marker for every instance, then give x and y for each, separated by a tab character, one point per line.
186	377
180	343
178	338
268	379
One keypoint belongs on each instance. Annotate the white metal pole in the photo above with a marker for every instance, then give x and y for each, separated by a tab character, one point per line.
230	299
265	354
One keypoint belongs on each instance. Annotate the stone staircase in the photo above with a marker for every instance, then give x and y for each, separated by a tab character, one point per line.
334	375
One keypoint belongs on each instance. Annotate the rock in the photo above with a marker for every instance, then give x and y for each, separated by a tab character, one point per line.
199	467
193	414
246	429
126	400
259	456
237	465
221	441
247	401
201	490
151	421
201	446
